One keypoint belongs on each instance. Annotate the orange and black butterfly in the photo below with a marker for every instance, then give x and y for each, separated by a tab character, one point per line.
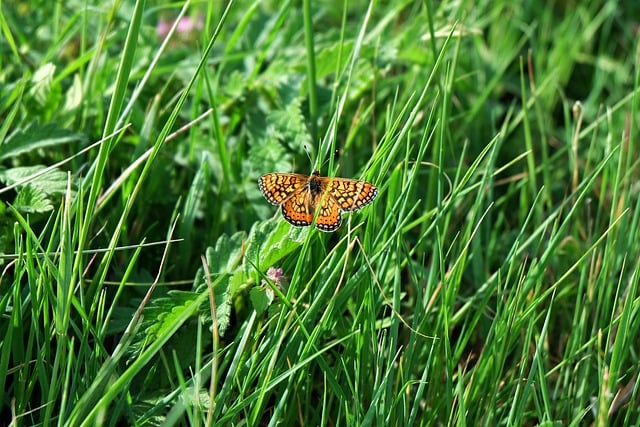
300	196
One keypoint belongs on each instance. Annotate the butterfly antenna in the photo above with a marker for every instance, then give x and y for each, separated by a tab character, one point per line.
333	160
307	150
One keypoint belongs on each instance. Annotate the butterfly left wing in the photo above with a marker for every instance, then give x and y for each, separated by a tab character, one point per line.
278	187
299	209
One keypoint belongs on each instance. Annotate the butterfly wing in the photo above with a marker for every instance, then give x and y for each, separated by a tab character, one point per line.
278	187
299	209
352	194
329	214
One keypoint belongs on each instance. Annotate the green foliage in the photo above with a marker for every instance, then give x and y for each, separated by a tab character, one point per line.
40	184
34	137
145	280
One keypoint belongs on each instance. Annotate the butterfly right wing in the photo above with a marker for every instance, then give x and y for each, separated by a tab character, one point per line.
329	214
278	187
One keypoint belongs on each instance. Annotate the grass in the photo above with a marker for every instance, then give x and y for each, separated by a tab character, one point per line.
145	281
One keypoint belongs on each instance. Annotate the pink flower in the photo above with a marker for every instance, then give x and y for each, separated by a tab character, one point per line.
186	28
274	274
163	28
189	25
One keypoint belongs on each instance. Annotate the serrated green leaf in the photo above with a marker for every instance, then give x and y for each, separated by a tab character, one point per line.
235	85
226	255
51	182
223	263
32	200
161	312
273	239
270	241
290	123
223	298
268	155
35	136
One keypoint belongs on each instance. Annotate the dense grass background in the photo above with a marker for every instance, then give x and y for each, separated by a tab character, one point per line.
144	279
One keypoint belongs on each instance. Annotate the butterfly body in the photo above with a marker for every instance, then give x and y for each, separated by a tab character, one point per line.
301	196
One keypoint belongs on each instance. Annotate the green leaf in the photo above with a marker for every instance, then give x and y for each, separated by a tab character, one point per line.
51	182
270	241
235	85
42	83
290	125
226	256
261	298
223	298
35	136
222	264
32	200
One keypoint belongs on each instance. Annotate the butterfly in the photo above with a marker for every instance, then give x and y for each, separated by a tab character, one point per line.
301	196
